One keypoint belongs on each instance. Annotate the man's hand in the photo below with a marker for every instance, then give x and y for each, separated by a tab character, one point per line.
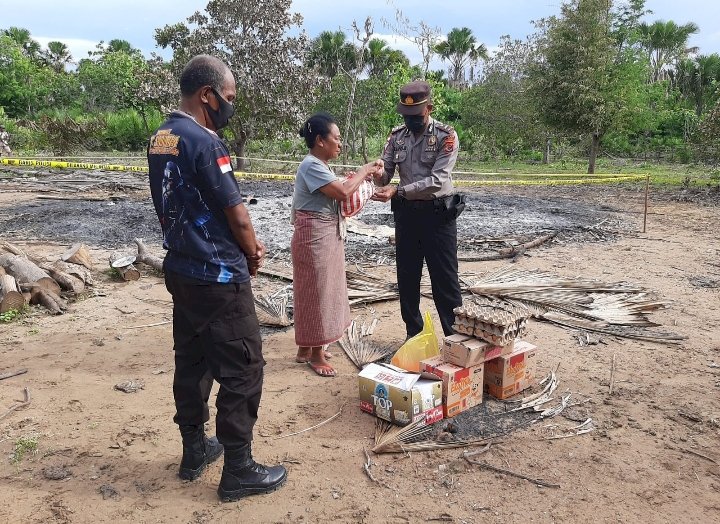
383	194
256	259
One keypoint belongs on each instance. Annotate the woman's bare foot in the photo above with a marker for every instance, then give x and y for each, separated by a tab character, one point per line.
304	353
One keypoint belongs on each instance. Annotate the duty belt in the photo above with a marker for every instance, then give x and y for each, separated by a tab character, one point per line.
440	202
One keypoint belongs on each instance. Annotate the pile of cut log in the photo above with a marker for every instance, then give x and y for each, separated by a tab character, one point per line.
26	280
124	264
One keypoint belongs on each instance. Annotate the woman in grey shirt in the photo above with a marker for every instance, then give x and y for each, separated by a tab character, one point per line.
320	304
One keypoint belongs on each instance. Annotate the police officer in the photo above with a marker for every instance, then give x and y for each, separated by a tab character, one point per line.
424	205
212	253
4	141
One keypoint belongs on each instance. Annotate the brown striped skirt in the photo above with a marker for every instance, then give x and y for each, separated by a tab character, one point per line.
320	299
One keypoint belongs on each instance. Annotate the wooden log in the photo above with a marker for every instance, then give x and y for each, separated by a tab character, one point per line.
128	272
10	295
48	299
27	272
75	270
67	281
7	246
146	258
78	254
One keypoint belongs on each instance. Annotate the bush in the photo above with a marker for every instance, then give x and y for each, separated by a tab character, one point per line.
128	131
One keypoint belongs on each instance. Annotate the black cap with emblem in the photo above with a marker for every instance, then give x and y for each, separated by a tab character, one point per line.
413	98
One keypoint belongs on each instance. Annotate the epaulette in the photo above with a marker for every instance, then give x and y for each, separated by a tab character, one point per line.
448	129
398	128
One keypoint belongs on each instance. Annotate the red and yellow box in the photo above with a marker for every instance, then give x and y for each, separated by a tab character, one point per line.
462	388
508	375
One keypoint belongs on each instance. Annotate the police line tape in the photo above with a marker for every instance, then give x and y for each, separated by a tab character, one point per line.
556	180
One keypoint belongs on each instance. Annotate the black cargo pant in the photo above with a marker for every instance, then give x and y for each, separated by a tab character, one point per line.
426	230
217	336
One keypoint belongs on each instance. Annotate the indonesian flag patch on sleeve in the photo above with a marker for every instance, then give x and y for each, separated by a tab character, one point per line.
224	164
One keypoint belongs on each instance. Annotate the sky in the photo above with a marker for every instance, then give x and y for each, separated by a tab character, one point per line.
81	24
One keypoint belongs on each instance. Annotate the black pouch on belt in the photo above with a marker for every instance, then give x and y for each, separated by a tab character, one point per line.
455	205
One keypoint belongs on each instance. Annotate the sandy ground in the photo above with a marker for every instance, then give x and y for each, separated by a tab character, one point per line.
121	451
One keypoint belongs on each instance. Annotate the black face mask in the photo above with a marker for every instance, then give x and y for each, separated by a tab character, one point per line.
414	123
222	115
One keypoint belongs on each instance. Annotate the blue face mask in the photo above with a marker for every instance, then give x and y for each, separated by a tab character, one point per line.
224	112
414	123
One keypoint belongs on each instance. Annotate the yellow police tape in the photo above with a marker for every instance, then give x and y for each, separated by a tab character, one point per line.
587	179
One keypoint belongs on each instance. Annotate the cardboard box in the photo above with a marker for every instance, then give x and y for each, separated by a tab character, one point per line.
508	375
398	396
462	388
465	351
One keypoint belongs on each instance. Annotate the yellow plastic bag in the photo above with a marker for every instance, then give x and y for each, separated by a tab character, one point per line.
421	346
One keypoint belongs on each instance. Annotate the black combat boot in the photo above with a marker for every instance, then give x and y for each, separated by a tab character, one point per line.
198	451
242	476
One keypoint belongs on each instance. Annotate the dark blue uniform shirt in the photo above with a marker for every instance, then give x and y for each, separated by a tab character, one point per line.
192	182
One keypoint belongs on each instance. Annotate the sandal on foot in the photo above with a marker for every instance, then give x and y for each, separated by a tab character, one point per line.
323	370
302	360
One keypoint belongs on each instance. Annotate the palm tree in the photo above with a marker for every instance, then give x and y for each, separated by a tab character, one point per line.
58	55
119	45
331	53
666	43
21	37
380	58
698	80
460	49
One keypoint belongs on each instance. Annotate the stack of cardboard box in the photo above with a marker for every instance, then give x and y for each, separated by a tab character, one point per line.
486	355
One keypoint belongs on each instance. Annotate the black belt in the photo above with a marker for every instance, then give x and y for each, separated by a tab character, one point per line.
435	203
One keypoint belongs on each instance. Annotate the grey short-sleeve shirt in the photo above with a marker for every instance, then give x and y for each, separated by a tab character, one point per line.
311	176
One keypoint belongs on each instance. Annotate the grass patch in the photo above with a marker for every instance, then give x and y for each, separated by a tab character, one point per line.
13	314
23	446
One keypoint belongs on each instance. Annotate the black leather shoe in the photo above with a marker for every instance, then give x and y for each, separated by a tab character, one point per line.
242	476
198	451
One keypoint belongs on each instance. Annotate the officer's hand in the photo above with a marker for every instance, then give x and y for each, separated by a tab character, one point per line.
383	194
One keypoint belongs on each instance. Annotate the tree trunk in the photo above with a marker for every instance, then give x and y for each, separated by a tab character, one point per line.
67	281
75	270
363	145
48	299
594	148
26	272
146	258
238	147
546	152
127	272
10	295
78	254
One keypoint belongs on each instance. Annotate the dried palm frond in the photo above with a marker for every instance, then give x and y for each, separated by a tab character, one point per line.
357	346
413	437
363	288
635	333
539	398
617	308
272	310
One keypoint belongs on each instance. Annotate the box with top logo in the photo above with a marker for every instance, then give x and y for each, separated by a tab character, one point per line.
508	375
399	396
462	387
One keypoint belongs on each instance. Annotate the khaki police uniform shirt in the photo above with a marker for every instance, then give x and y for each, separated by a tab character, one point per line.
425	163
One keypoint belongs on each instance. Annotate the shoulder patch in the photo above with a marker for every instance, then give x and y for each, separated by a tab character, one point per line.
444	127
450	143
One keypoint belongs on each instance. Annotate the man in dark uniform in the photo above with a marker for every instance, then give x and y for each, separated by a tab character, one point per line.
212	253
424	205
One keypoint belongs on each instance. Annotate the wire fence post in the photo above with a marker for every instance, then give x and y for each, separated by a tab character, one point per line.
647	190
